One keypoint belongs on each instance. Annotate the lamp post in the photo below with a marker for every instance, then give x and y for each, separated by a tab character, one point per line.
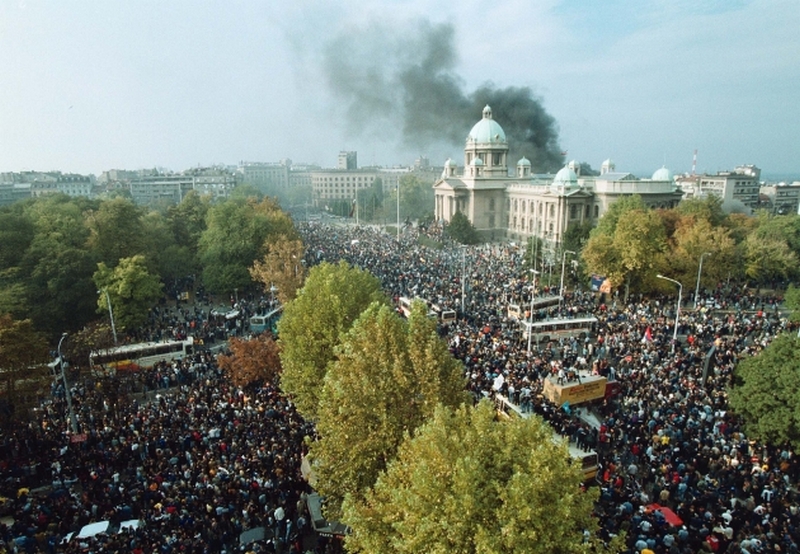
67	395
699	271
530	319
563	264
463	277
398	211
110	315
677	311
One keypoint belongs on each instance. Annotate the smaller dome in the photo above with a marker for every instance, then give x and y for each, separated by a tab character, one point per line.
448	163
524	162
477	162
565	177
662	174
608	162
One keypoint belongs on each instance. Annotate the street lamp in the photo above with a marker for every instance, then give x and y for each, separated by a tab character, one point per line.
699	271
398	211
110	315
67	395
530	319
677	311
563	263
463	276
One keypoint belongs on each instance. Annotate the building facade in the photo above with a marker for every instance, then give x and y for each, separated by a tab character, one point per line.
523	204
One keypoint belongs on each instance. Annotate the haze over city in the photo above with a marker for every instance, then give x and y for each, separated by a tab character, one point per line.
92	86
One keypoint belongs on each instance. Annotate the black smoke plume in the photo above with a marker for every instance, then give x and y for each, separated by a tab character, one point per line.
388	77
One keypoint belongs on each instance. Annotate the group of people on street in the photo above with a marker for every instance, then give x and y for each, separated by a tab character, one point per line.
198	461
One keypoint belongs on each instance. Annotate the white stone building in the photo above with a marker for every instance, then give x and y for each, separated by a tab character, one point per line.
522	204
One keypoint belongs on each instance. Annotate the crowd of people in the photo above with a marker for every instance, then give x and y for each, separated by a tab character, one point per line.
197	461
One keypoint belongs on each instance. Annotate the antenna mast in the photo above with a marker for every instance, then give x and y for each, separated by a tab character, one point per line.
694	162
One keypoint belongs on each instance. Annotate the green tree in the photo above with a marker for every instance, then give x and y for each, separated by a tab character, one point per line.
697	237
387	379
468	483
57	266
792	301
576	236
23	370
633	253
768	258
461	229
708	209
312	324
765	392
607	225
416	196
116	231
133	291
235	237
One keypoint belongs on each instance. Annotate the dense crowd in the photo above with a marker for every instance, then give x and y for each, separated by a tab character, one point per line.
199	461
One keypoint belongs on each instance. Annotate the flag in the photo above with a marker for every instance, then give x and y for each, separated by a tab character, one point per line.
352	208
648	335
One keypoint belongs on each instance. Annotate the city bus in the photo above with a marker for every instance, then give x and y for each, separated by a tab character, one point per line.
445	316
519	311
132	357
506	410
266	322
404	306
554	329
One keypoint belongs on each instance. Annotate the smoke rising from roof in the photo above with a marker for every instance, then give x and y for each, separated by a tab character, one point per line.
405	77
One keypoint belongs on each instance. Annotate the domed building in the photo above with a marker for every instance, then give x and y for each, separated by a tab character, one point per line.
523	204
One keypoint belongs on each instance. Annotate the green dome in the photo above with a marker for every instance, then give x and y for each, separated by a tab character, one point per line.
487	130
565	177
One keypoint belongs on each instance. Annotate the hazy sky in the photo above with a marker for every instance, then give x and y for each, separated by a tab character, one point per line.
95	85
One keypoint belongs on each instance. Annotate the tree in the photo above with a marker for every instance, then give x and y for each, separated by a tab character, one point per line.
235	237
133	291
468	483
312	324
461	229
708	208
768	258
387	379
115	231
792	300
576	236
251	361
607	224
632	253
56	269
416	196
765	392
23	370
281	267
693	238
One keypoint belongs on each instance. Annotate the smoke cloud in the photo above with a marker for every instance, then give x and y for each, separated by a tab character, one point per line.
390	77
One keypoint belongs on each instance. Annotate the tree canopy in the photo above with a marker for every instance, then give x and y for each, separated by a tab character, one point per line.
461	229
281	267
387	379
312	324
251	360
765	392
133	291
23	369
468	483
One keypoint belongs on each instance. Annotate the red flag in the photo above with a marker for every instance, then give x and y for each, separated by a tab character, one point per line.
648	335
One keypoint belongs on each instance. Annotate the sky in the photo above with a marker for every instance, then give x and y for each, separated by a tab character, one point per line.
94	85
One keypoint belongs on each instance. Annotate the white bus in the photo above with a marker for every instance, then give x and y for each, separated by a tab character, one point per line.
554	329
587	458
141	355
404	305
522	311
